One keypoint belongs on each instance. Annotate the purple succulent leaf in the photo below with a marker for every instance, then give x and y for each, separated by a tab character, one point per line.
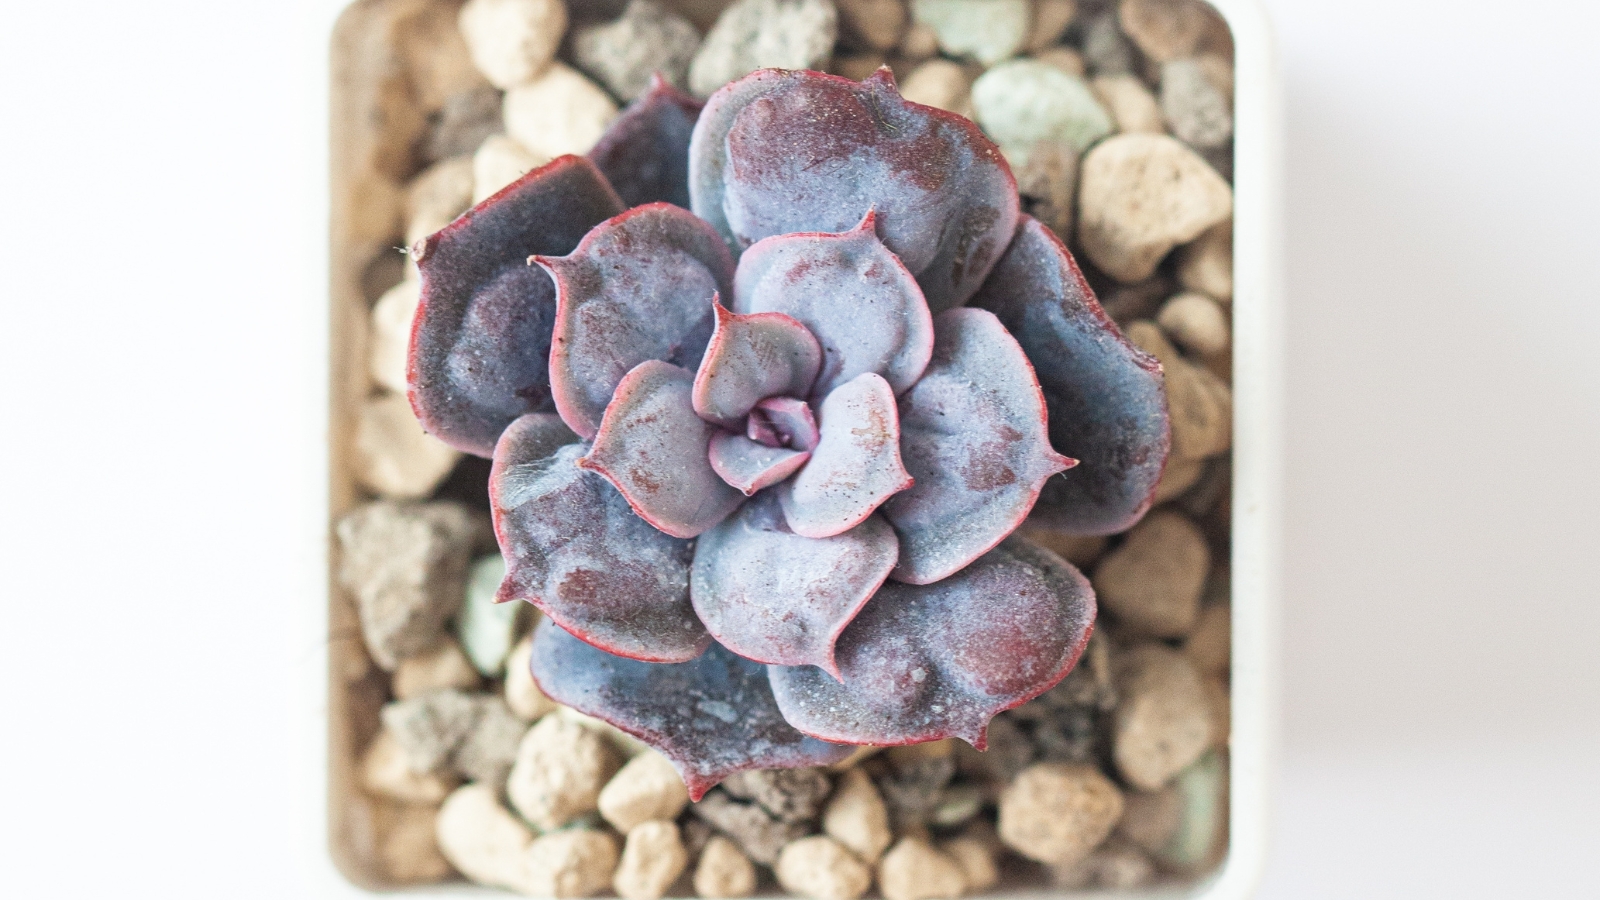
639	286
926	662
480	343
711	717
975	438
806	152
574	549
856	465
1107	399
749	466
655	450
708	145
785	420
774	596
751	358
849	291
645	151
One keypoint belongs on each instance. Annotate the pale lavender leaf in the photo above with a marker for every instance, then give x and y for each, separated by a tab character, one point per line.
974	436
750	358
750	466
856	465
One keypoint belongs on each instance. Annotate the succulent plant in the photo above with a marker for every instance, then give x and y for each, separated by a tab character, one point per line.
760	464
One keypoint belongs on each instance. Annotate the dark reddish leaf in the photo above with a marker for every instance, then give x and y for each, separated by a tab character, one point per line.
640	286
711	717
973	435
1107	399
856	464
806	152
645	151
480	345
653	447
773	596
921	663
576	550
849	291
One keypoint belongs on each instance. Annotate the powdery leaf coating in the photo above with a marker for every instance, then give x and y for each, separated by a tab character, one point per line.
1107	399
638	287
856	465
973	435
848	290
749	466
750	358
480	343
773	596
923	663
645	151
653	447
813	153
575	549
711	717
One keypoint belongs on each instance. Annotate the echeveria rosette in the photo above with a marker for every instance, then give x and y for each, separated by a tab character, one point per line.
760	463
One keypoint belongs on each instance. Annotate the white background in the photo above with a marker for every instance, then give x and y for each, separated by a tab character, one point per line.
161	344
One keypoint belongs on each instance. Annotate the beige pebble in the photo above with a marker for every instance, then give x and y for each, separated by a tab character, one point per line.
522	692
408	851
914	870
1151	818
406	564
376	210
857	817
1218	70
559	112
942	84
482	839
1199	401
499	161
489	749
445	666
872	24
921	42
434	198
1050	21
1079	549
559	771
1066	59
1163	722
1166	29
1210	643
724	871
389	341
1196	323
648	787
1152	583
821	868
626	745
1047	180
394	457
1140	196
578	862
856	66
513	41
437	58
976	859
1179	476
1055	813
653	857
1206	263
1115	865
1130	103
386	773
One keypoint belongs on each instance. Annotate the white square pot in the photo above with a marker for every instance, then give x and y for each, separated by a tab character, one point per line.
349	697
